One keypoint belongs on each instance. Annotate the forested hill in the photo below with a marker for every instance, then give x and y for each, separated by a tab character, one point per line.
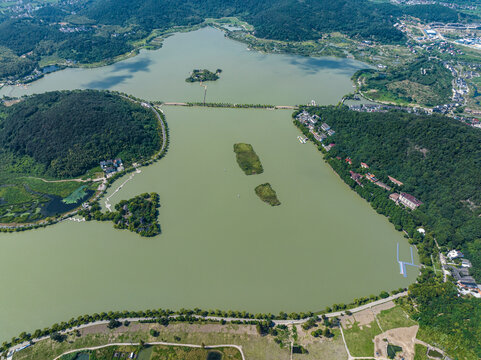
274	19
437	158
64	134
99	31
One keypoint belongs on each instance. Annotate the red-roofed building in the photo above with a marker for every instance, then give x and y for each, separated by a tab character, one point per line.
393	180
364	165
409	201
349	161
394	197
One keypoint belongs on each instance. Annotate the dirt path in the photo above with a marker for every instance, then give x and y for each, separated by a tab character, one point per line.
155	343
57	181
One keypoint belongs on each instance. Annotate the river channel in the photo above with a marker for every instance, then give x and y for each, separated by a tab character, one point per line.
220	247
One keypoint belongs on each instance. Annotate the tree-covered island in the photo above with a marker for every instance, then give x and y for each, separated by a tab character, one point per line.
267	194
247	159
203	75
138	214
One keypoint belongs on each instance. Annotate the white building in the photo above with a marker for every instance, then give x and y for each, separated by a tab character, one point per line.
454	254
466	263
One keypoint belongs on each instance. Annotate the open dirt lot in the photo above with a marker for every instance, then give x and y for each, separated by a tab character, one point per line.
403	337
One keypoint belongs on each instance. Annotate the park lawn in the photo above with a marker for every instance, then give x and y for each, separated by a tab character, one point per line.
394	318
247	159
321	348
185	353
255	347
360	341
420	352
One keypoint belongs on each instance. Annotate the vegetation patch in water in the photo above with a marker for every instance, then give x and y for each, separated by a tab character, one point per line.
267	194
247	159
203	75
214	355
392	350
74	197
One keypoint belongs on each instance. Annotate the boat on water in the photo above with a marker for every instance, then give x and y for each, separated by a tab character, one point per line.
302	139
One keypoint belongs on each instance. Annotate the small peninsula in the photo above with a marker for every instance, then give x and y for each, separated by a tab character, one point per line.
56	147
138	214
267	194
247	159
203	75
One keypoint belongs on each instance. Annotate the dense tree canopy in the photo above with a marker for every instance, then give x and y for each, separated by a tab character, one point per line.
68	133
446	318
99	30
274	19
437	158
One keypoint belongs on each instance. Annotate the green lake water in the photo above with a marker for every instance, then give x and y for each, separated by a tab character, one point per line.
247	76
221	246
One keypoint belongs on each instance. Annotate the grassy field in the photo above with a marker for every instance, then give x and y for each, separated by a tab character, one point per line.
174	353
255	346
394	318
267	194
16	194
360	341
420	352
422	81
247	159
62	189
156	352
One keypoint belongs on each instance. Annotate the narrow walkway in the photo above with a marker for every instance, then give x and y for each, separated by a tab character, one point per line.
154	343
108	205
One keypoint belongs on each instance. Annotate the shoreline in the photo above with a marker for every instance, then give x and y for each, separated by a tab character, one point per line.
246	320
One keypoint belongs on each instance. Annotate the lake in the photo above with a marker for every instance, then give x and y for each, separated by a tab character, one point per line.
221	246
247	76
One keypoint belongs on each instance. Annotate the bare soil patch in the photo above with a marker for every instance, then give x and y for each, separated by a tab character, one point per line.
403	337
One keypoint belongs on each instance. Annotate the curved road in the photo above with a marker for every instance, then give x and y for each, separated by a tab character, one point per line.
154	343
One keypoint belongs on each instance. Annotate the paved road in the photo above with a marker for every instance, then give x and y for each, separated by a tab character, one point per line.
155	343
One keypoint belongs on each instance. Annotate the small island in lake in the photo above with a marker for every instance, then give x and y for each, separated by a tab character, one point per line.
138	214
247	159
267	194
203	75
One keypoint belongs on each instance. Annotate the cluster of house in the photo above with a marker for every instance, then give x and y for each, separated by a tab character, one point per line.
73	29
399	198
125	355
110	167
383	108
458	268
460	87
437	2
320	133
369	176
